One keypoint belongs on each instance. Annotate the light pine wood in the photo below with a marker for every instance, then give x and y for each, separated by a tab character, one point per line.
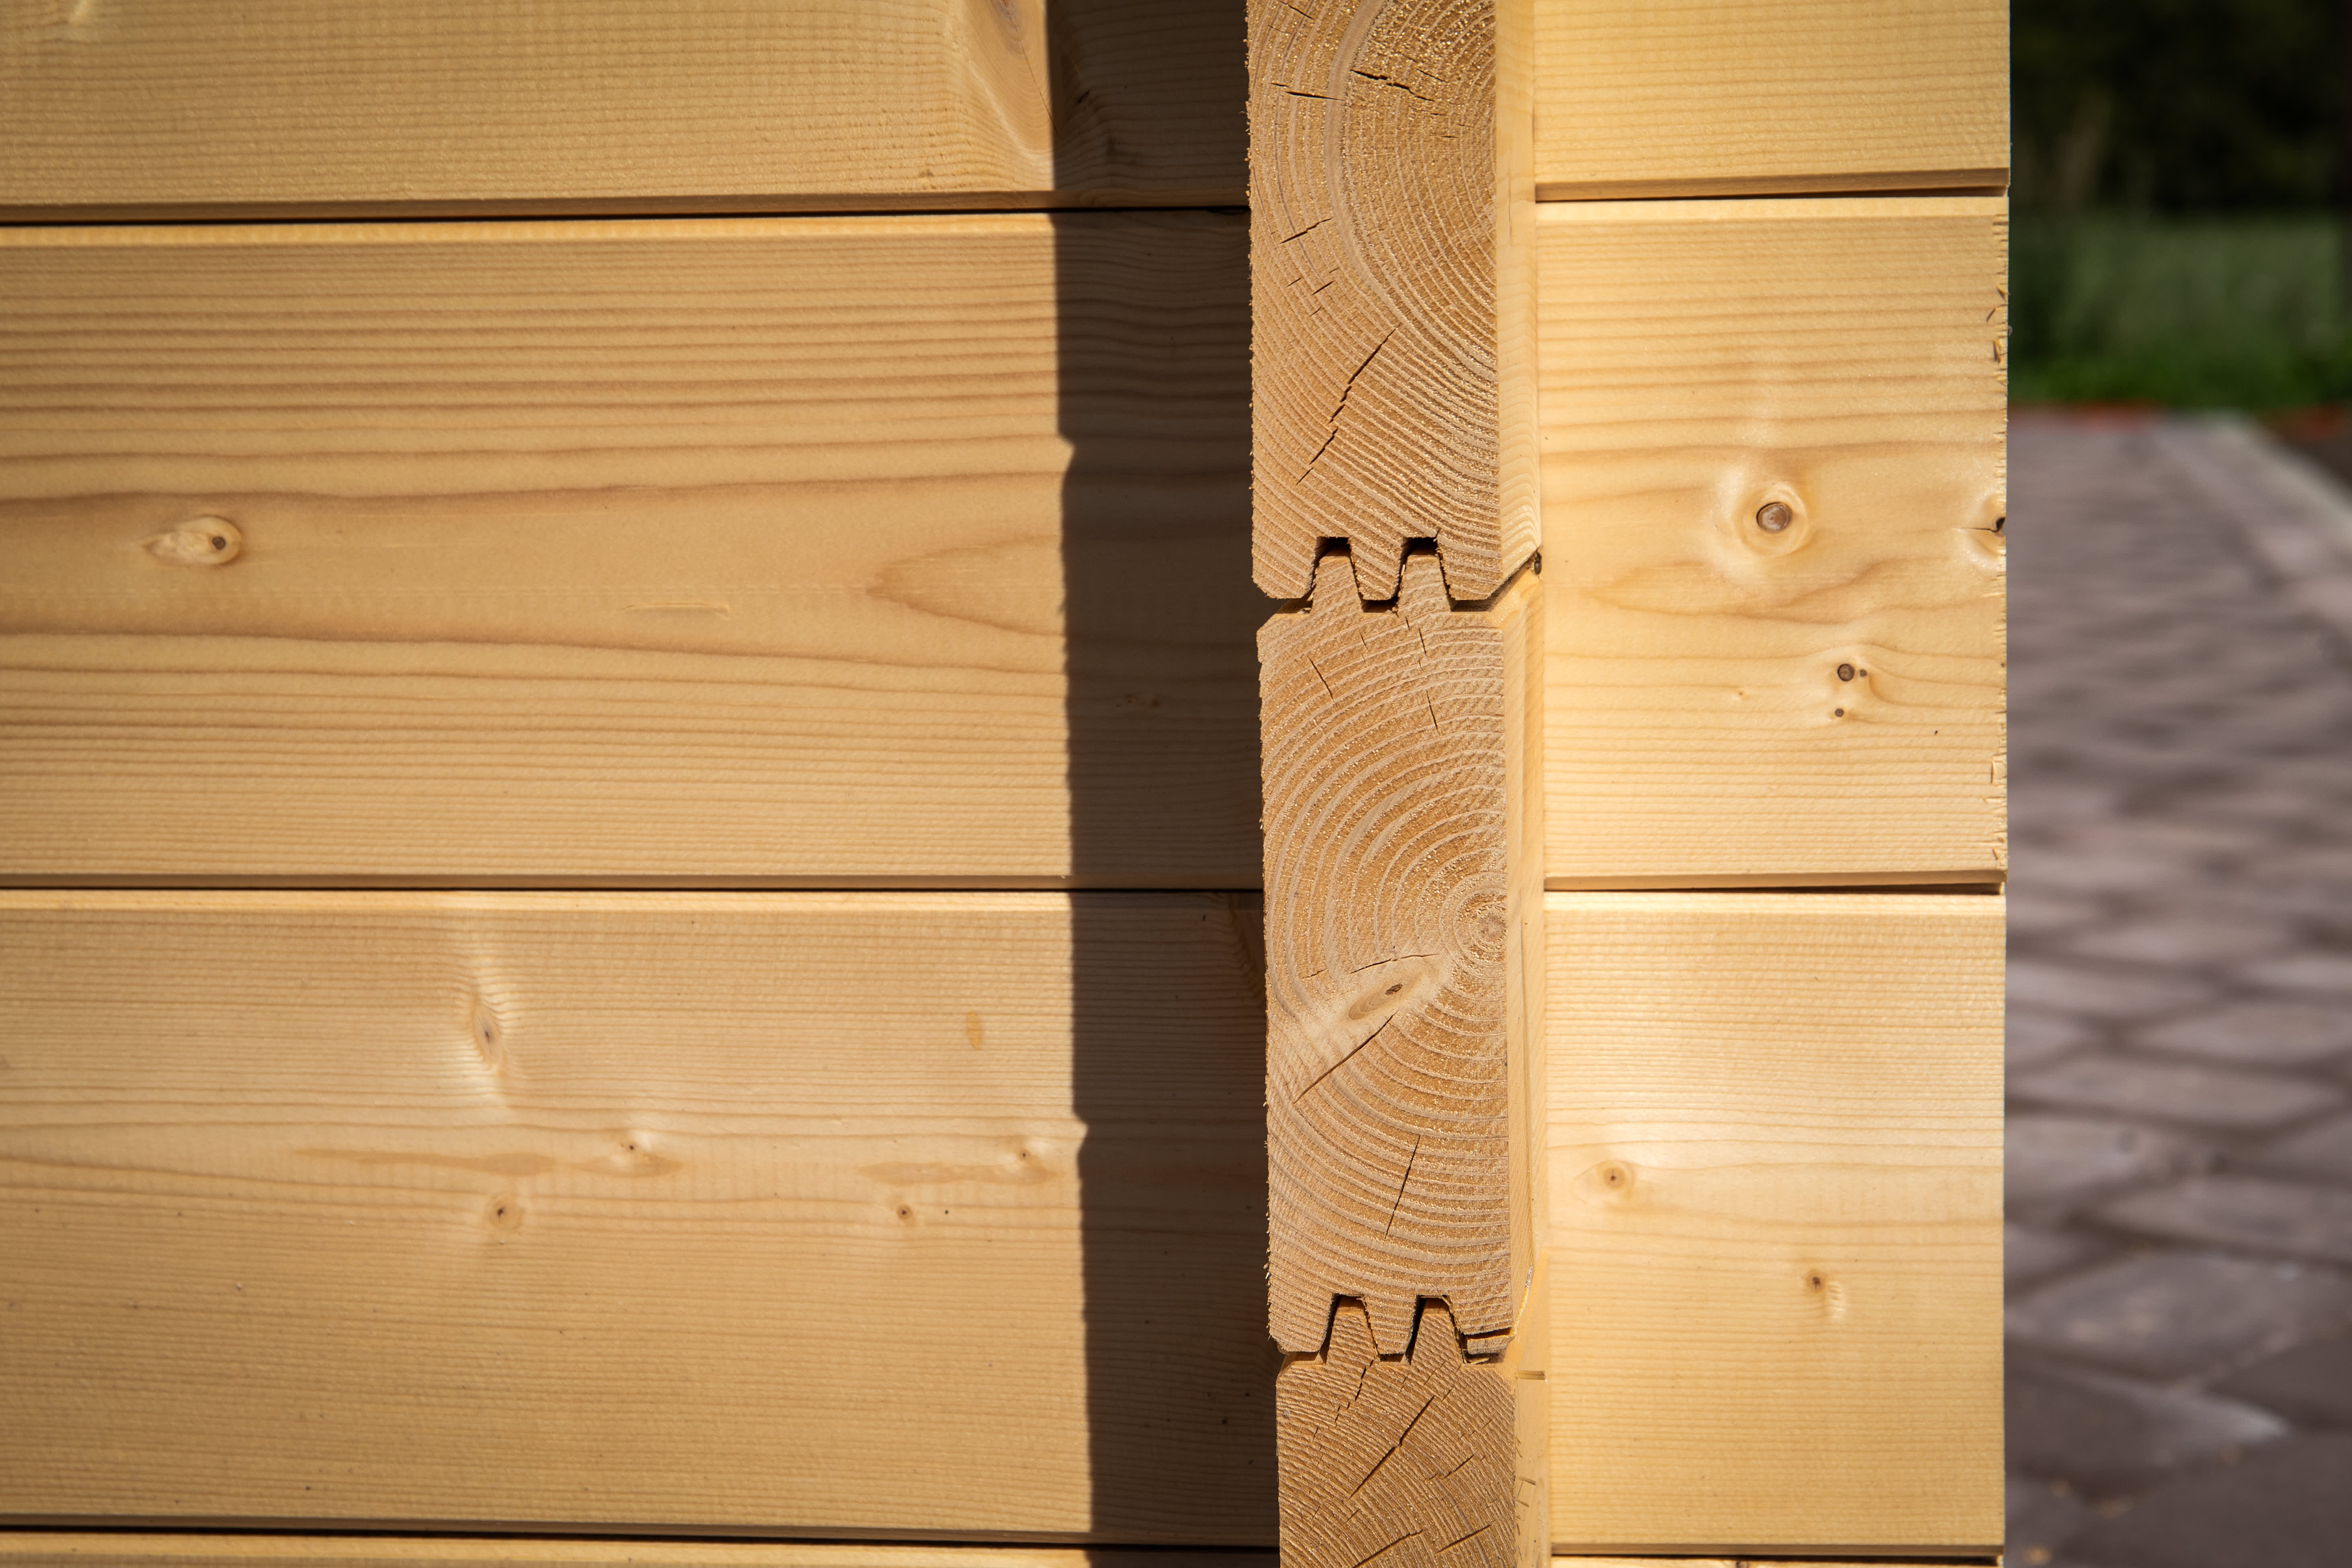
1392	302
167	108
322	1098
1775	1200
1404	1066
1699	98
110	110
806	626
101	1549
129	1551
902	1214
1398	757
838	551
1729	704
1412	1459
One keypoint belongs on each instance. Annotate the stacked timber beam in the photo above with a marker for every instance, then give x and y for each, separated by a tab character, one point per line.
665	939
1391	252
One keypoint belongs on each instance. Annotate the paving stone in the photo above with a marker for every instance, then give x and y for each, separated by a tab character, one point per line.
2176	838
2187	943
2053	1159
2321	1151
2108	1436
2177	1091
2182	1314
2028	1255
2310	1384
2055	802
2079	872
2046	914
2088	991
2325	972
2286	1505
2041	1516
2257	1034
2251	1211
2036	1037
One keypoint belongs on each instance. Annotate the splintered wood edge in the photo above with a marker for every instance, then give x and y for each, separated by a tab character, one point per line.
1392	315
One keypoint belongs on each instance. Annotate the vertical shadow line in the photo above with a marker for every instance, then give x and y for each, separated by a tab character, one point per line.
1160	620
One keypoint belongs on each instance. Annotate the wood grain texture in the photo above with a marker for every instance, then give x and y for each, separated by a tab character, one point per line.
1776	1200
1398	757
169	107
835	550
1732	704
1403	1074
1391	306
285	1091
897	1215
1413	1460
112	112
1691	98
103	1548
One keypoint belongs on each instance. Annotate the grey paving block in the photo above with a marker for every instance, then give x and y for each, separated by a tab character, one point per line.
2088	991
2056	1159
2182	1314
2109	1437
2028	1255
2055	804
2041	1516
2310	1384
2321	1151
2177	1091
2187	943
2179	839
2286	1505
2260	1033
2330	972
2256	1212
2035	1038
2046	914
2086	872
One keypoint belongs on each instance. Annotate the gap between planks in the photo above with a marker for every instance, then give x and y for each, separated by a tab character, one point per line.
1945	185
130	1550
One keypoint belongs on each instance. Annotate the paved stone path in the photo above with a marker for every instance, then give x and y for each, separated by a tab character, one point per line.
2179	1179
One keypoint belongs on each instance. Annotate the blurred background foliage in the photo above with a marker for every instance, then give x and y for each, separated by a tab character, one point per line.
2178	175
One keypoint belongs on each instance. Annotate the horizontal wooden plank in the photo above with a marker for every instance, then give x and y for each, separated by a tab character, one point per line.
900	1214
101	1549
1776	1191
434	106
1700	98
913	551
1731	703
835	552
780	1211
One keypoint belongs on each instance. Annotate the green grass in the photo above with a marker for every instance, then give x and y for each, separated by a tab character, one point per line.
2187	313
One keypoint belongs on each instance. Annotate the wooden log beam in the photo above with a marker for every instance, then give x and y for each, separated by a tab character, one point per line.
1399	710
1391	268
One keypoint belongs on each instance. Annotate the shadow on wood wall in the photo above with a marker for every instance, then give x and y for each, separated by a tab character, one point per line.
1161	619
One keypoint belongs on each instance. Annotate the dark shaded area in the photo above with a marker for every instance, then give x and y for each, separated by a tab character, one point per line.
2176	106
2178	168
1168	1057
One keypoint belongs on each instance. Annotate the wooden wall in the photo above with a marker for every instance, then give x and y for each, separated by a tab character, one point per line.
554	761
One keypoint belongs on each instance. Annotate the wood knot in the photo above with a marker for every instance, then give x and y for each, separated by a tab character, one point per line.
504	1214
199	542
